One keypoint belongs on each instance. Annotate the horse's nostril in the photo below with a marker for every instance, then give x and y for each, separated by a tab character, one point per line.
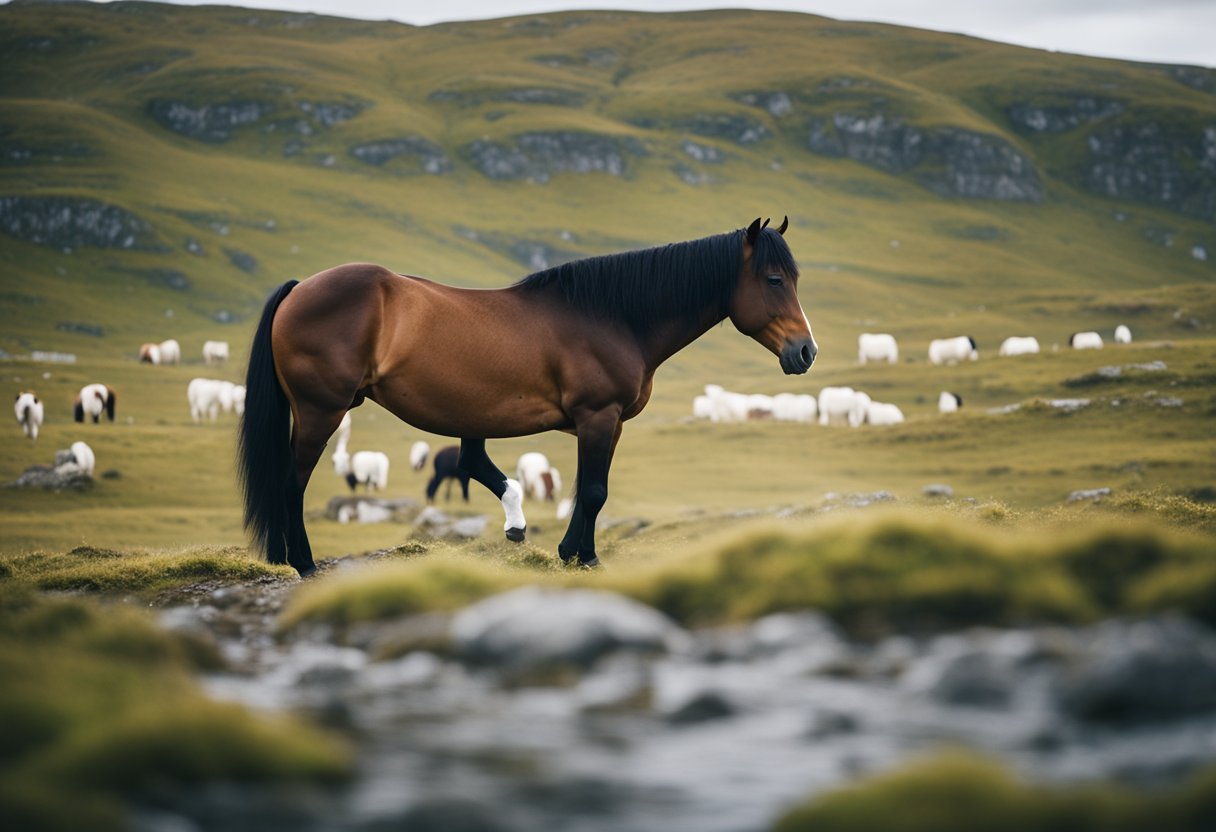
806	354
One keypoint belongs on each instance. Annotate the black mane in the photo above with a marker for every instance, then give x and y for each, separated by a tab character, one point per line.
678	280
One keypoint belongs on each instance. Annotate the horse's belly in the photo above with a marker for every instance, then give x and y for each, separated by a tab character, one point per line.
461	408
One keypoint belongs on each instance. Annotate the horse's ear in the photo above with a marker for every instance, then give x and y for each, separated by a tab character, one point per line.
767	220
785	223
753	231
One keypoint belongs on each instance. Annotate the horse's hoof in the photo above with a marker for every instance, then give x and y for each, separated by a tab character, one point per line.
594	563
566	556
516	535
308	571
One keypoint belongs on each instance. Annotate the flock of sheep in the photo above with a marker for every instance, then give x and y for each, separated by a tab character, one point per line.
539	479
845	405
206	396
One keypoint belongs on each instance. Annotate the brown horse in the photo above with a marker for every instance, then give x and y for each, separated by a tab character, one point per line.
572	348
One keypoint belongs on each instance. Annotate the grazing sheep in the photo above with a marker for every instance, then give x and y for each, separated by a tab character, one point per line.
882	413
149	353
170	352
29	412
1085	341
795	407
92	400
953	350
702	408
949	402
215	352
368	468
726	406
539	479
419	453
1123	335
837	404
1017	345
208	396
877	346
84	457
759	406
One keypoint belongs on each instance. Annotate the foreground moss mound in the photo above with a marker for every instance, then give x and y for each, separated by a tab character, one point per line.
90	569
97	706
912	573
872	573
963	793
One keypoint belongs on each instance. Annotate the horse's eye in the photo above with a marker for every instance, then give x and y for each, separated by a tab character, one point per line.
774	280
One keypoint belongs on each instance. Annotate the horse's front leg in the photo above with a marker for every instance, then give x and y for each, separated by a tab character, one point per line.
598	434
475	462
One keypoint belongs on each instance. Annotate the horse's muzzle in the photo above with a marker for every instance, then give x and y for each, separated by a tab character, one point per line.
798	356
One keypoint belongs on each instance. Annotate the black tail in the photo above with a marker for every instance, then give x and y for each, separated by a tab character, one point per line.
78	410
110	404
264	458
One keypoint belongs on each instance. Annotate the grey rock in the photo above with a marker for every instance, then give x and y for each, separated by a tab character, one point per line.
937	490
67	222
1059	118
422	155
1088	494
1170	165
1157	669
534	627
65	475
214	122
539	156
704	706
948	160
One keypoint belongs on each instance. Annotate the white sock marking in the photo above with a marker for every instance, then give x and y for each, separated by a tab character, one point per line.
513	505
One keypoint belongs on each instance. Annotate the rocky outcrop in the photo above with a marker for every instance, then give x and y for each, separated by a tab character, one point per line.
417	153
218	122
208	122
947	160
553	96
1150	161
735	128
1058	118
244	261
537	157
1195	77
776	103
68	223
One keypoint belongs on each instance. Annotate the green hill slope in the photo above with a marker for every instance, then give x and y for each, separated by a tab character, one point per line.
161	161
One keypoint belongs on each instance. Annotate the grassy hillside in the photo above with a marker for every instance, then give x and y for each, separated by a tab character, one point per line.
164	167
248	147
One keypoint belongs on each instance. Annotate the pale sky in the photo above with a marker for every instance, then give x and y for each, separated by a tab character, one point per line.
1162	31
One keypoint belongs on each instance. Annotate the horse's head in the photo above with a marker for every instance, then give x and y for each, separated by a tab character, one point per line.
765	302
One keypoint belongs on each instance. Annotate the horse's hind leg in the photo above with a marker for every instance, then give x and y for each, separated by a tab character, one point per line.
475	462
313	427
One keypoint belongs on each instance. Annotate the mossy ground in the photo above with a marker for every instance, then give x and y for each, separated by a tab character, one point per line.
99	706
958	791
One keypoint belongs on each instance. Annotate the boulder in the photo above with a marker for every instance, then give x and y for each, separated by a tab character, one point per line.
534	627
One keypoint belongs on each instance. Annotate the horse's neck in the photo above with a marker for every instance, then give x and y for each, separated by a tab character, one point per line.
669	337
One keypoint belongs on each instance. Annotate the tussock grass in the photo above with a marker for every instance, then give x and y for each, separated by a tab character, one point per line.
98	704
954	792
874	573
90	569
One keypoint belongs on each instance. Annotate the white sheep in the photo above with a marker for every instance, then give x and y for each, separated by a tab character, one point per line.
953	350
1018	345
1085	340
29	411
877	346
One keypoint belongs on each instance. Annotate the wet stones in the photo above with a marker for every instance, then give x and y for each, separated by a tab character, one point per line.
532	628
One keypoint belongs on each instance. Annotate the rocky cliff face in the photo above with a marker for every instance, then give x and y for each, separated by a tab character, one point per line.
1031	118
1148	161
947	160
218	121
414	151
67	223
536	157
